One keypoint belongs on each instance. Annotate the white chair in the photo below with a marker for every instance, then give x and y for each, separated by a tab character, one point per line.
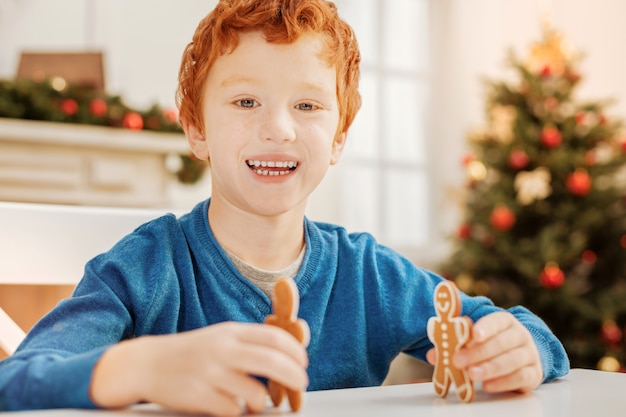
50	244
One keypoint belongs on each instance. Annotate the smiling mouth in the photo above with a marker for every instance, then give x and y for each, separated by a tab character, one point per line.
272	168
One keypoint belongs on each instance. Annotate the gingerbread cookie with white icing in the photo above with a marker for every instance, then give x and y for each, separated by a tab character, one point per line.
285	304
449	332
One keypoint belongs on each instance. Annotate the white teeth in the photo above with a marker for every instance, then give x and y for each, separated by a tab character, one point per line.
289	165
265	172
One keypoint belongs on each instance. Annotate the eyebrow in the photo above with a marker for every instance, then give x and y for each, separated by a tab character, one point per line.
236	80
250	80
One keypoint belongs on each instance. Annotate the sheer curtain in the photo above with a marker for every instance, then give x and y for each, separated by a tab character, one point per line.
383	181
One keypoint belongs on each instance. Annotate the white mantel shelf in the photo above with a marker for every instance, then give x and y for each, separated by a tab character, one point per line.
61	163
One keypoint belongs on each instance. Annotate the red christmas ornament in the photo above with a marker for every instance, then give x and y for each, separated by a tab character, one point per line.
579	183
518	159
133	121
551	137
546	71
98	107
502	218
580	118
465	231
589	257
69	106
611	333
590	158
551	277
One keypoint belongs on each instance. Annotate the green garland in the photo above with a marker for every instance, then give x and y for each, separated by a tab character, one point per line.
54	100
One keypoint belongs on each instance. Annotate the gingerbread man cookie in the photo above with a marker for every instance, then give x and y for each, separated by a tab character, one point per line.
449	333
285	304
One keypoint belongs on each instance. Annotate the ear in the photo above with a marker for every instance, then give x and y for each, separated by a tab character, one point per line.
197	140
338	145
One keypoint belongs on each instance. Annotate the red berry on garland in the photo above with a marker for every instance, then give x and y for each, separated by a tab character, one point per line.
546	71
551	277
98	107
579	183
580	118
518	159
133	121
171	115
551	137
502	218
465	231
69	106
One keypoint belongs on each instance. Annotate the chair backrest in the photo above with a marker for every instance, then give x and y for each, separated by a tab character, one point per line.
50	244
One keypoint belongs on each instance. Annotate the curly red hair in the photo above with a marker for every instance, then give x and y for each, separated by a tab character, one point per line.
280	21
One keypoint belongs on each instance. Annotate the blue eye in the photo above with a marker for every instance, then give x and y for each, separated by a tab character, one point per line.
247	103
306	106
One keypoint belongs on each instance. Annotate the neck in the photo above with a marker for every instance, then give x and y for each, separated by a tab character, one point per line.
269	242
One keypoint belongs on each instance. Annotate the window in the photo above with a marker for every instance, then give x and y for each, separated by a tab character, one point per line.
383	177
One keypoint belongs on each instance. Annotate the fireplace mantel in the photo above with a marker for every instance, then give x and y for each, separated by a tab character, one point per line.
61	163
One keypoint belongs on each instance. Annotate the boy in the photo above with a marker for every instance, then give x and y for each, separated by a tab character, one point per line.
173	313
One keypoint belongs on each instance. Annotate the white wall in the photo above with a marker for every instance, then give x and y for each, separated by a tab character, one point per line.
143	41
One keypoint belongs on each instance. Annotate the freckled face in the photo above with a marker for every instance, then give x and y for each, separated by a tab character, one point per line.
271	116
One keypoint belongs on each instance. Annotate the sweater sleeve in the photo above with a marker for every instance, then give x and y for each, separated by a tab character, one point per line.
52	367
554	359
415	287
114	301
46	378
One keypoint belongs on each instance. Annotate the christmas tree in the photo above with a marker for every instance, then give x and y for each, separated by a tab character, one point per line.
544	210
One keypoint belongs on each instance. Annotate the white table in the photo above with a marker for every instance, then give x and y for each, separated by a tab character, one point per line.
582	393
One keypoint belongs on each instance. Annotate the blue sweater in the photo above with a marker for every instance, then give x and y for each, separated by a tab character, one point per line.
363	302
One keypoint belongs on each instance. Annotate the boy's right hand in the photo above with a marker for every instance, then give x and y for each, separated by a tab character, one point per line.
209	370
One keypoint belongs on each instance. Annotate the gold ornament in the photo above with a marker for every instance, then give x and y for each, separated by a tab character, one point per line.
551	55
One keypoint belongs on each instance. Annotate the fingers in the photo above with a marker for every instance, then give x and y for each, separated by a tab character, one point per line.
502	354
233	386
213	370
270	352
431	356
275	338
491	336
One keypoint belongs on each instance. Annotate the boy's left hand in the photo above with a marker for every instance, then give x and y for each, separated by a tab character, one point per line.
502	355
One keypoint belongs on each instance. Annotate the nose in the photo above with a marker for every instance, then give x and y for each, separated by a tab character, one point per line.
278	125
